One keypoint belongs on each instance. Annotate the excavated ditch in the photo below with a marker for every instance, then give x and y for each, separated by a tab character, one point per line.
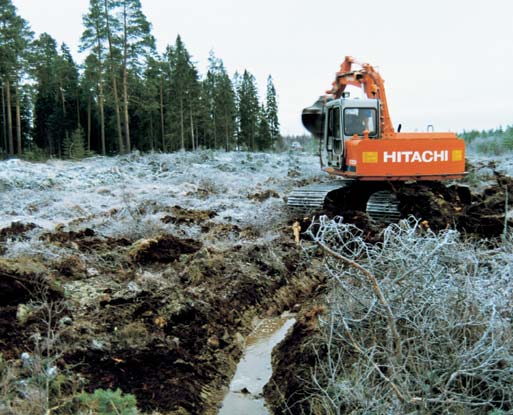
255	369
162	318
165	317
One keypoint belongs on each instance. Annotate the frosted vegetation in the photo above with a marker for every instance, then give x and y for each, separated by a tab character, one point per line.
126	196
493	142
420	323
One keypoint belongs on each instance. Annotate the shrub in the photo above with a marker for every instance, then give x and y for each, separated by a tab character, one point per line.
74	147
420	323
108	402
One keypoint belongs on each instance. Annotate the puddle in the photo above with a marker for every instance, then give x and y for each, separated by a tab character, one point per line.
254	370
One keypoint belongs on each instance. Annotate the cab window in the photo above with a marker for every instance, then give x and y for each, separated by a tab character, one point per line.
357	120
334	122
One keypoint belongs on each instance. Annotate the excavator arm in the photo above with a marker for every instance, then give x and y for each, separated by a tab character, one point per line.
373	86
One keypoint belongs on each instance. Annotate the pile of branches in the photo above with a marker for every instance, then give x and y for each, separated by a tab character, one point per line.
419	323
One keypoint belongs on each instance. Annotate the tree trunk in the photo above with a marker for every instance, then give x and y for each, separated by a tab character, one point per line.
114	80
227	148
102	118
9	117
152	138
215	128
192	132
100	99
18	119
51	148
125	83
125	108
63	103
89	123
181	125
116	108
4	119
66	132
162	125
78	112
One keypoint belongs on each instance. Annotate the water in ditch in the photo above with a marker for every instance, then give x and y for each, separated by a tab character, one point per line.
254	370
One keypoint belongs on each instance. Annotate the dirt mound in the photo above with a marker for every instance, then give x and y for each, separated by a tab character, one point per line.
21	281
486	216
439	206
20	278
264	195
17	230
180	215
85	240
163	249
292	361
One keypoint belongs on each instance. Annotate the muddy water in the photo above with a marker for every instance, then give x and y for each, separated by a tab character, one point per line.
254	369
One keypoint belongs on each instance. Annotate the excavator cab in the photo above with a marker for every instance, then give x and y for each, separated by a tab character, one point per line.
347	119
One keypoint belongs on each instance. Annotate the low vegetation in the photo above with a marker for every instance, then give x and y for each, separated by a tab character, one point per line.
419	323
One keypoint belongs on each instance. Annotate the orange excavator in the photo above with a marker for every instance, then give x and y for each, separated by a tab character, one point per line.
358	144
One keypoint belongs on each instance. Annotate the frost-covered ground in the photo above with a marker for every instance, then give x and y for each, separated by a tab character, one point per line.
503	163
161	262
128	195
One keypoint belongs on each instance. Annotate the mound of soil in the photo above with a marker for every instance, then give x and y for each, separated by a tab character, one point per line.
288	389
85	240
264	195
180	215
17	230
21	281
163	249
438	206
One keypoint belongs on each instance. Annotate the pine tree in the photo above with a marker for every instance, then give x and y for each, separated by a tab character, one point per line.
236	82
149	113
264	139
248	111
67	75
93	39
208	92
56	106
112	25
15	40
272	110
48	126
225	108
137	43
185	89
89	88
220	105
74	146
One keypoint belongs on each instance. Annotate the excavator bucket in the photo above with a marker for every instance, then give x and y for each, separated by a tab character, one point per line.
313	117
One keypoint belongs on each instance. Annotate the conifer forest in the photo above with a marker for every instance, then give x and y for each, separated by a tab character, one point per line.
124	95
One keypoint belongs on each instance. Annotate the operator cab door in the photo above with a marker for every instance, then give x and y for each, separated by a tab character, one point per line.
334	137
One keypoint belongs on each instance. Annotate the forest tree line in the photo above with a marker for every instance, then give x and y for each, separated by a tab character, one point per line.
125	95
494	141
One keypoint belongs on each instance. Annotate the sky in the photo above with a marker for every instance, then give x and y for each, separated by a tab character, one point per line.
444	62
